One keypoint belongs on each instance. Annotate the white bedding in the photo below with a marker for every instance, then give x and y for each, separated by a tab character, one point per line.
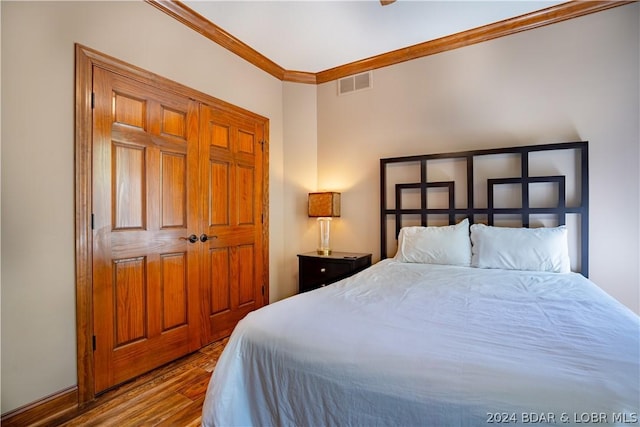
431	345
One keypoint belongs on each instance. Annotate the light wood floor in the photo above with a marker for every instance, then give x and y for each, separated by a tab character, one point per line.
169	396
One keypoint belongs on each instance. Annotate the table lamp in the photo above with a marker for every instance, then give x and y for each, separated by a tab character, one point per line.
324	206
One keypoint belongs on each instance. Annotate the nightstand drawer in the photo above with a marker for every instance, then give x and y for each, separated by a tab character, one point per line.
320	270
317	272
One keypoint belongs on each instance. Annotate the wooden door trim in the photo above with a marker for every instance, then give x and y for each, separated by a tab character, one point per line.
86	59
265	212
84	248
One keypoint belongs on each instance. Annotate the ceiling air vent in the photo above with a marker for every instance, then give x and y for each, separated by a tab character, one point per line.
354	83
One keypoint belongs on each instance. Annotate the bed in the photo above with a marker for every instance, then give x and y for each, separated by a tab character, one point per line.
462	326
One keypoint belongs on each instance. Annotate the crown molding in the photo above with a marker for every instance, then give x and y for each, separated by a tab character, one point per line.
300	77
200	24
529	21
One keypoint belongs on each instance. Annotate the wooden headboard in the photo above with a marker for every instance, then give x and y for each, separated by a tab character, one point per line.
408	201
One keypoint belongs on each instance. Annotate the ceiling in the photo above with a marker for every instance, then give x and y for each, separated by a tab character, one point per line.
313	36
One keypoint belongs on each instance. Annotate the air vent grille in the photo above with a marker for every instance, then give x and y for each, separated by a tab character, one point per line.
354	83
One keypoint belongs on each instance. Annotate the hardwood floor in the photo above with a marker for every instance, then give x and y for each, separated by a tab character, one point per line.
169	396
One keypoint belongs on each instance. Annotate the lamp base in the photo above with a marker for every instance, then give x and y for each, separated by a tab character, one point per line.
324	252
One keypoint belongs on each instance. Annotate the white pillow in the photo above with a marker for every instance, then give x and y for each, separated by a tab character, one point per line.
532	249
435	245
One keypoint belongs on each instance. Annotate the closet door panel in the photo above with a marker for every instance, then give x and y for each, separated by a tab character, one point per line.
234	205
218	193
145	272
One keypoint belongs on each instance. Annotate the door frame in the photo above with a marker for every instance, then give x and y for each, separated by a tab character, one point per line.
85	60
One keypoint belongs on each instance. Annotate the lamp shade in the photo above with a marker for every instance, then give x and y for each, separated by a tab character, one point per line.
325	204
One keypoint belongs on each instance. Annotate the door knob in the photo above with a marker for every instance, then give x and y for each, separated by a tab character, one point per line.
204	237
193	238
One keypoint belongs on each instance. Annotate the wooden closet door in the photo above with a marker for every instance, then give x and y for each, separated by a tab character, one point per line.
233	277
145	205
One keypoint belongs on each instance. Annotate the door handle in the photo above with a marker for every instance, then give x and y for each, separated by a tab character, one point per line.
204	237
193	238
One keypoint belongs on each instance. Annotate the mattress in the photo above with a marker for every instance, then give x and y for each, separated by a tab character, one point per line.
418	344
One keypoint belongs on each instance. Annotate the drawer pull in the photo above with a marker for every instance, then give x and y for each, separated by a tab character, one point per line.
322	270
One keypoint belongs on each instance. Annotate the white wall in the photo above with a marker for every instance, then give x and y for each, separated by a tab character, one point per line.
38	273
300	178
576	80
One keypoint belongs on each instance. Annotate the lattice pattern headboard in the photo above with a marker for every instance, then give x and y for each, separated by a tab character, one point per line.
393	194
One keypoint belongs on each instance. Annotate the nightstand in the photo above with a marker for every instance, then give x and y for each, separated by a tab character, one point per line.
316	270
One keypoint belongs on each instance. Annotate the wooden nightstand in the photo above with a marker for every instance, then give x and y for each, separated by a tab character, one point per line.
316	270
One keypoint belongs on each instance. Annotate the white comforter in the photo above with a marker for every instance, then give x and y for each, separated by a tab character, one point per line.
427	345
